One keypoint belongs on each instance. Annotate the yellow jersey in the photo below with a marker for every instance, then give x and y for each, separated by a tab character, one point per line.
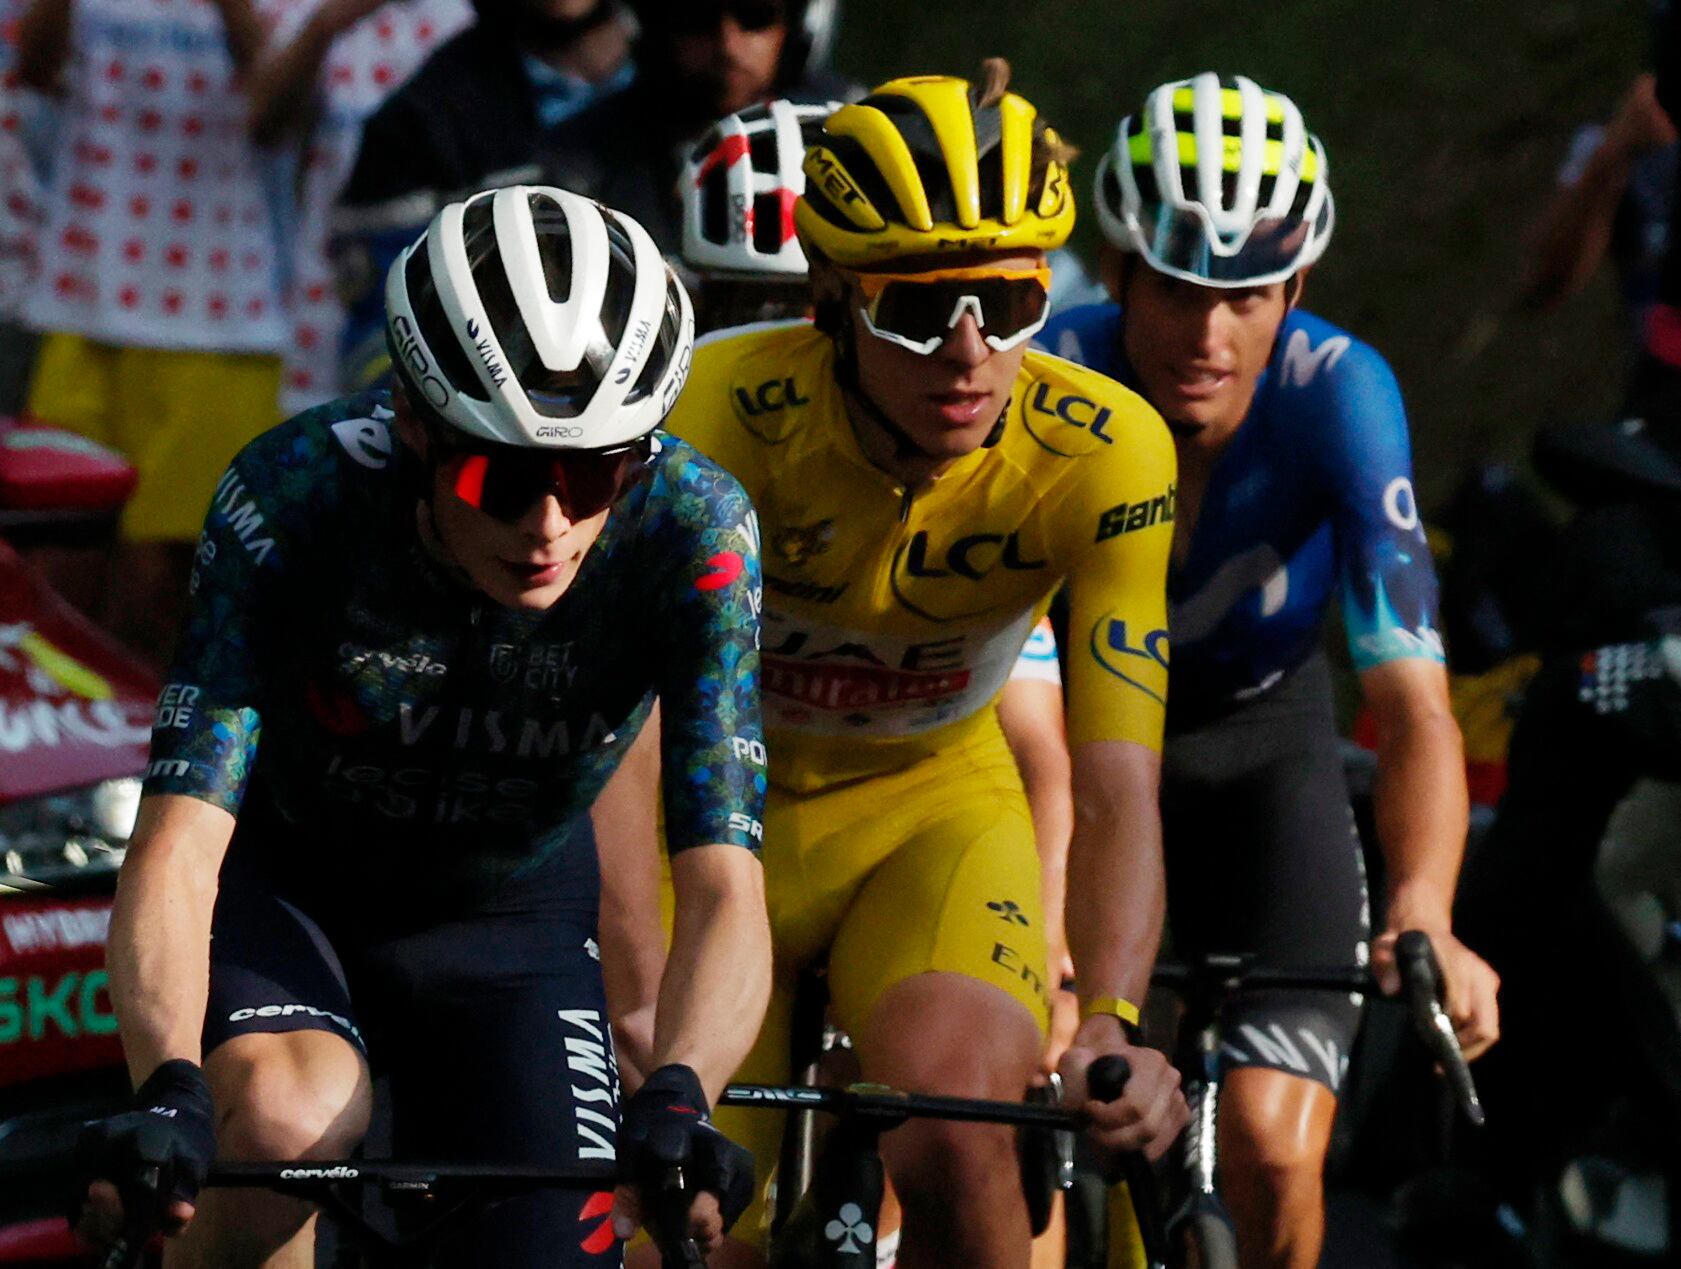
892	618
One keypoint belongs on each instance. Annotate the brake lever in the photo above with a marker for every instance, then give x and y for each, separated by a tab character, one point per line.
671	1217
1425	990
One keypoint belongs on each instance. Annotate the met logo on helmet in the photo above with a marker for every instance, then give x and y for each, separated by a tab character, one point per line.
409	349
823	167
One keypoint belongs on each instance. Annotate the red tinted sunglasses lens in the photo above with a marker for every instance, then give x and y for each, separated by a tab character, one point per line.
505	485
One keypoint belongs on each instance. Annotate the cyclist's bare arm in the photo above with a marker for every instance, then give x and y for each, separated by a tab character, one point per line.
159	948
1117	895
717	976
632	938
1421	808
1116	877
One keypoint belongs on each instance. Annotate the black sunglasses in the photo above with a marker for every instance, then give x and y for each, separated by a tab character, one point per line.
690	17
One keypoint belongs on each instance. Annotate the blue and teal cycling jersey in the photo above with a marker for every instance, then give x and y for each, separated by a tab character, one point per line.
373	721
1313	495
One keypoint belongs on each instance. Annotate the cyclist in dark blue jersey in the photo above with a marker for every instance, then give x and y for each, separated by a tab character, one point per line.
424	628
1295	488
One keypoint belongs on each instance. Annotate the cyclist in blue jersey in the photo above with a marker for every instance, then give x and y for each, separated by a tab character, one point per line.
1295	487
424	627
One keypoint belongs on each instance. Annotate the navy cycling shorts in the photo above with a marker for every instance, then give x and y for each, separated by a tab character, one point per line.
491	1028
1263	857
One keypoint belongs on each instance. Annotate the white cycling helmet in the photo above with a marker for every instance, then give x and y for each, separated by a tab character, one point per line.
739	185
535	317
1217	181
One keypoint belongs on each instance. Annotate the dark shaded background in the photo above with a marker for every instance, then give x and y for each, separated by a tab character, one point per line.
1445	122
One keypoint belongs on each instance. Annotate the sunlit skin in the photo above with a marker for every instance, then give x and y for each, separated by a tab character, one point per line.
528	564
730	66
948	401
1198	351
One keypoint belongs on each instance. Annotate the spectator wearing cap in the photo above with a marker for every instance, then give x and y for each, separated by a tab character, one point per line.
156	284
330	65
482	111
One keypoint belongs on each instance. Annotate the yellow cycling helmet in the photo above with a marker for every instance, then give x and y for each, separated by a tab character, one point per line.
929	165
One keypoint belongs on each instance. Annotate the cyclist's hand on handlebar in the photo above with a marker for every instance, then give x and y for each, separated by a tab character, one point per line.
140	1170
1065	1013
1472	985
666	1128
1151	1111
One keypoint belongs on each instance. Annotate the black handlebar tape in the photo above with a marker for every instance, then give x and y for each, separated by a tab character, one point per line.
1426	992
1414	954
1107	1076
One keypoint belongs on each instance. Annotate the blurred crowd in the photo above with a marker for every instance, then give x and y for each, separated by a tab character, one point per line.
200	197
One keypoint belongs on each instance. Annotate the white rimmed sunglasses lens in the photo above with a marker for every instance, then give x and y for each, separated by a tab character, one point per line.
921	315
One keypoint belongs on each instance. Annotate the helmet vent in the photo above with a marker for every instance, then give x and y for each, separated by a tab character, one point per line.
925	151
554	246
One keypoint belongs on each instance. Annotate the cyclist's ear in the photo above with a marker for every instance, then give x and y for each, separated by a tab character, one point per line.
1293	288
828	295
1112	266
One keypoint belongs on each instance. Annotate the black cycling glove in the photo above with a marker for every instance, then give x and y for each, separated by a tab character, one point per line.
666	1126
171	1129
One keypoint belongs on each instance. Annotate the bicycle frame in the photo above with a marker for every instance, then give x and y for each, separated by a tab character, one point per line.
1208	987
847	1179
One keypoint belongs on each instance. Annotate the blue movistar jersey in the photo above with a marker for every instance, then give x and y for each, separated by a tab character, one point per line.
378	727
1313	495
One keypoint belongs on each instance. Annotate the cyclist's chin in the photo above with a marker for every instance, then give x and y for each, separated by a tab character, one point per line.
953	425
523	588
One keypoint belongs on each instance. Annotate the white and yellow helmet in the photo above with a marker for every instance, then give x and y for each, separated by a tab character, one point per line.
1219	182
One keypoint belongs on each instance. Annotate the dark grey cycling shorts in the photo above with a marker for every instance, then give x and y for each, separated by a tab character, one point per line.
1263	857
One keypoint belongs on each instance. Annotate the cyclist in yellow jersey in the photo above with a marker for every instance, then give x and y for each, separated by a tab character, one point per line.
924	485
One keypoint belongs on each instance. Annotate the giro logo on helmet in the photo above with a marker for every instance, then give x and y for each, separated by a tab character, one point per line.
408	348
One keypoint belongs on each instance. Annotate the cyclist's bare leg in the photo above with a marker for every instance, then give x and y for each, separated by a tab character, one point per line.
1274	1131
958	1183
293	1095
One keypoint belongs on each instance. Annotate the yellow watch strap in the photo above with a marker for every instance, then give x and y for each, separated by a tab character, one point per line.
1125	1010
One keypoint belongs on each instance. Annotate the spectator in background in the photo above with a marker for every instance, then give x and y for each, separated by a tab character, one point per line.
1614	195
156	291
701	60
24	126
493	106
480	112
331	64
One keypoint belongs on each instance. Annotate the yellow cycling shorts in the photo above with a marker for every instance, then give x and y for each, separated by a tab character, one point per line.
179	416
933	868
